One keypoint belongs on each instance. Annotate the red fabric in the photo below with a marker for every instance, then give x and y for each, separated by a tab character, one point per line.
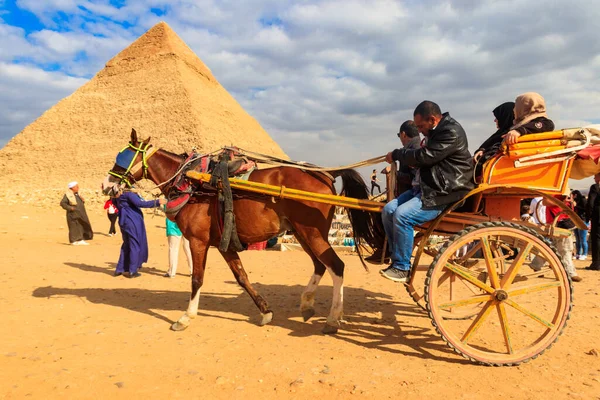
552	211
173	206
108	203
591	153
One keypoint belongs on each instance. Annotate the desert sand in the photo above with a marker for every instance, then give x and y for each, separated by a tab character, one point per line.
72	330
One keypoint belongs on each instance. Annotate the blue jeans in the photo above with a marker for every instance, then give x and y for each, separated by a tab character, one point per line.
581	241
399	219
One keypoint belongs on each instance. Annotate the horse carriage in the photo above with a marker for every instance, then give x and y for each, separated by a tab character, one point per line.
493	285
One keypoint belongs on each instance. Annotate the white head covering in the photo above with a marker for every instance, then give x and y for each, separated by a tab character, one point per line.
72	184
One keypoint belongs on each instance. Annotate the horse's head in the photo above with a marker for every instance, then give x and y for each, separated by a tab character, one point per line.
130	165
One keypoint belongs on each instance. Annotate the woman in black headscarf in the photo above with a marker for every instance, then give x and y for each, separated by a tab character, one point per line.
504	114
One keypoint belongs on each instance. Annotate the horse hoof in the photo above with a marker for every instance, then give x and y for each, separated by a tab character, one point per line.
178	326
308	314
329	330
266	318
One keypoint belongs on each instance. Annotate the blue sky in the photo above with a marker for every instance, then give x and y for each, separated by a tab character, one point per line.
330	80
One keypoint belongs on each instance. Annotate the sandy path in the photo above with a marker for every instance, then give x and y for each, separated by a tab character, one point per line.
70	329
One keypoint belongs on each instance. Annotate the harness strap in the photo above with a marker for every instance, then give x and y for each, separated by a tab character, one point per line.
147	151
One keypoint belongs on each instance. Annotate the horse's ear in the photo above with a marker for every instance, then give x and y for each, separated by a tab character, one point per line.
146	141
134	138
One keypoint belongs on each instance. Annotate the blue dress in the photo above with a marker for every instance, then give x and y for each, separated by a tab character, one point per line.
134	251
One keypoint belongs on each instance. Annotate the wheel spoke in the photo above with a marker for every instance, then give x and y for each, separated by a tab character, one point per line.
481	317
505	328
531	315
489	263
512	272
468	277
534	288
465	302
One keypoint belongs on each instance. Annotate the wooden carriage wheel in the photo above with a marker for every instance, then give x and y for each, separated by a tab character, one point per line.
524	301
416	286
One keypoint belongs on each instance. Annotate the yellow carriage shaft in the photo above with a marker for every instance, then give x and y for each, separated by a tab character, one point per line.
294	194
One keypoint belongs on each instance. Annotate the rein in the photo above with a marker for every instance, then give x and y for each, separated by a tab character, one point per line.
300	164
148	151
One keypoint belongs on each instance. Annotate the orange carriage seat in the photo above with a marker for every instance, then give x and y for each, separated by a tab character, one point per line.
540	161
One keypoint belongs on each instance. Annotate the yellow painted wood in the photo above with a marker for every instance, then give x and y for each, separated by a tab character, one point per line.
478	321
294	194
470	278
534	137
534	288
513	270
465	302
530	145
490	263
531	315
504	324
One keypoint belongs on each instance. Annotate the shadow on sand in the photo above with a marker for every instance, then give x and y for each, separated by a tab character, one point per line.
384	333
110	269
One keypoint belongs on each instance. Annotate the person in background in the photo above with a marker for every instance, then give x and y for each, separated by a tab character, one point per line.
592	214
374	181
134	250
526	214
78	222
112	214
175	238
563	244
581	244
538	211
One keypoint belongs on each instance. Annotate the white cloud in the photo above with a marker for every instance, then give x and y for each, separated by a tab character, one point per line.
332	80
26	92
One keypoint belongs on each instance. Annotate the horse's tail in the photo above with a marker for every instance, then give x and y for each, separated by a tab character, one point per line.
367	225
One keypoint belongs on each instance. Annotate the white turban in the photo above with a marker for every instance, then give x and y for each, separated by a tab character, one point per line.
72	184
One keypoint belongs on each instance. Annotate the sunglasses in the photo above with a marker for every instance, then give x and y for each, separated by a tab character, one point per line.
399	134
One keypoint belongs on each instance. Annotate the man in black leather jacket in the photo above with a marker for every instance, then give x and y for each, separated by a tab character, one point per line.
446	168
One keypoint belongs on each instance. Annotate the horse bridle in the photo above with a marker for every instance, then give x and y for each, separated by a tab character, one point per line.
147	151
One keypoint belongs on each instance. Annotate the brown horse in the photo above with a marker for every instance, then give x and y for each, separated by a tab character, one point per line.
258	218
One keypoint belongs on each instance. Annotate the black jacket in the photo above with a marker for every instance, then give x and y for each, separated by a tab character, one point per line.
446	166
591	208
538	125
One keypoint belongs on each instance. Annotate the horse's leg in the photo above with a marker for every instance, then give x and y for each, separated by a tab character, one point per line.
320	247
307	300
199	250
235	264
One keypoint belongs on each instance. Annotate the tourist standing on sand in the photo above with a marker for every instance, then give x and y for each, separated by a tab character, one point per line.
581	239
592	213
563	244
112	214
175	237
78	222
134	251
374	181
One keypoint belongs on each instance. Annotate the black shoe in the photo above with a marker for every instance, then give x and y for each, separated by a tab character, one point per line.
394	274
136	275
592	268
118	273
166	275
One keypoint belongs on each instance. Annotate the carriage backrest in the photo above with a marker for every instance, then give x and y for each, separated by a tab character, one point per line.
539	161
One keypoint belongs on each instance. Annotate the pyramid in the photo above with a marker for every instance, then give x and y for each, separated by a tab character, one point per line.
158	86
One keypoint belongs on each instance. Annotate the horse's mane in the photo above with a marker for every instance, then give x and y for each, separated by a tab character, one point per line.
183	155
